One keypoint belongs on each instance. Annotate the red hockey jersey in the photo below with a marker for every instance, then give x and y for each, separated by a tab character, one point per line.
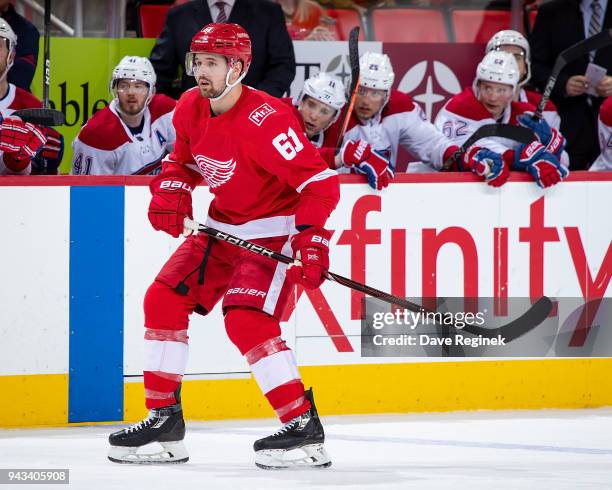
265	175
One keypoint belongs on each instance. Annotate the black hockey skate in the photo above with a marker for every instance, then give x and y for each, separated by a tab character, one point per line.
163	425
304	434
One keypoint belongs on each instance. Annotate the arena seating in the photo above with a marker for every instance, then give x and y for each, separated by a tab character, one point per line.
346	19
151	18
408	25
477	26
412	25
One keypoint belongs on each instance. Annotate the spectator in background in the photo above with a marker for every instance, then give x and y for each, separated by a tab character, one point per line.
306	20
25	148
273	66
515	43
132	134
490	100
559	25
26	58
604	161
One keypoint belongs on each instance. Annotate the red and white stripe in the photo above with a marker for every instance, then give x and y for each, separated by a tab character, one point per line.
166	351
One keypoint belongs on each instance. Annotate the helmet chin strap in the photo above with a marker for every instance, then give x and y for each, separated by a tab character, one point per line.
228	86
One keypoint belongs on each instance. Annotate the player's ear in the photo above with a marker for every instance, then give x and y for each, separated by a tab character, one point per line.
237	67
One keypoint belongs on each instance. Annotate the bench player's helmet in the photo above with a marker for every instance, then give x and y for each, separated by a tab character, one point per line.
229	40
133	68
509	37
327	89
10	38
498	67
376	72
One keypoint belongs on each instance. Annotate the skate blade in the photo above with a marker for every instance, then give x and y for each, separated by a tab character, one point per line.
312	456
172	453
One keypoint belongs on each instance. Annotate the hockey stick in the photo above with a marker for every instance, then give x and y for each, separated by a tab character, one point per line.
509	131
354	62
528	321
44	116
582	48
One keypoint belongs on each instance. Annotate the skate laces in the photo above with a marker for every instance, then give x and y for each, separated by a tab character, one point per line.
292	423
142	424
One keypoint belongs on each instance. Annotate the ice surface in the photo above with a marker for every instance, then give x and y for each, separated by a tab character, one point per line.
548	449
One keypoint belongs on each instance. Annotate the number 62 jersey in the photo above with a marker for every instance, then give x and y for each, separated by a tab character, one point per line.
265	175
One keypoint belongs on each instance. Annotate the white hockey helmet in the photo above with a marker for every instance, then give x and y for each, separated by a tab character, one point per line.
134	68
327	89
375	71
498	67
509	37
7	33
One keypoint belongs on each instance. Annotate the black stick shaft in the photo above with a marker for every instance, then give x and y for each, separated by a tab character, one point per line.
345	281
47	54
354	61
512	330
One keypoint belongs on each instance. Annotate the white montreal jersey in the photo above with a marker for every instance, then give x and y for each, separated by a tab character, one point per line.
604	161
106	146
15	99
401	122
463	114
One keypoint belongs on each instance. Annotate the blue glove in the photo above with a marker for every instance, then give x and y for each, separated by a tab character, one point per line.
377	169
553	140
547	171
486	164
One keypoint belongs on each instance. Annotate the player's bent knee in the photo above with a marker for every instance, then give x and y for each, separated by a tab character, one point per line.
166	309
248	327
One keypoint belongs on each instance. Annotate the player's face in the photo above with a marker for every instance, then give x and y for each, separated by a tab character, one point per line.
368	102
132	95
210	72
316	115
519	56
495	97
4	51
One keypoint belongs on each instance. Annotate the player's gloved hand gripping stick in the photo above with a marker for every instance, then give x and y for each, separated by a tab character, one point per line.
529	320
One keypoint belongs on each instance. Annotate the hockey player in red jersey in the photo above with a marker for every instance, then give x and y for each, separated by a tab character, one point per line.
24	147
270	186
318	107
490	100
132	134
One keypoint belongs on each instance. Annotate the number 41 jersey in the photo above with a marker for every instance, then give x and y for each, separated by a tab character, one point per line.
254	158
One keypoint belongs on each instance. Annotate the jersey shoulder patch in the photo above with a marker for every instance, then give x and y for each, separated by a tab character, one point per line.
24	100
605	112
466	105
161	104
103	131
260	113
398	102
260	106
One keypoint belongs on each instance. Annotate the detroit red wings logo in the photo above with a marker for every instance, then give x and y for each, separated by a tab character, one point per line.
216	172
